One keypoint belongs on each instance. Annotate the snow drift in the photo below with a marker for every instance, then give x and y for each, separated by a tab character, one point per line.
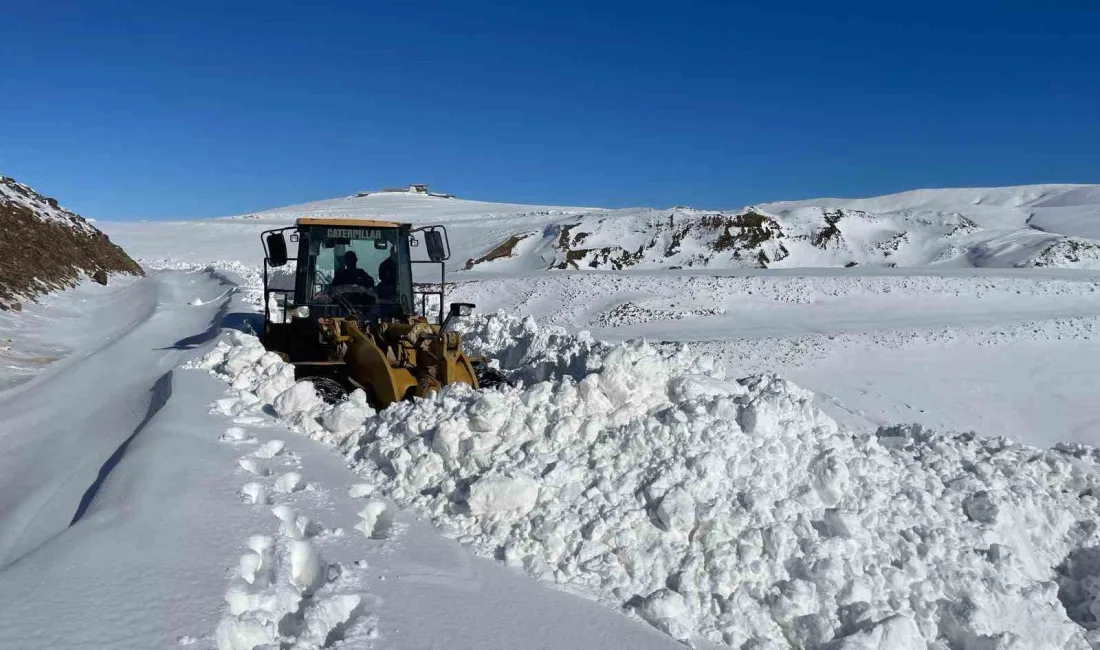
731	511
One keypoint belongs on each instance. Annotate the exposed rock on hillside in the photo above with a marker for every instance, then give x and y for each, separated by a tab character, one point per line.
682	238
44	247
1069	253
505	250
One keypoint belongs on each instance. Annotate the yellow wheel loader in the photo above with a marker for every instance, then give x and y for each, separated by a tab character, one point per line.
350	317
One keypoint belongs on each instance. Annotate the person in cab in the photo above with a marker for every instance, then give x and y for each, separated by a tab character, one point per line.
352	274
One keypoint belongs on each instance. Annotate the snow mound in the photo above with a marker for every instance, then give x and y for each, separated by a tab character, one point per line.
731	511
528	351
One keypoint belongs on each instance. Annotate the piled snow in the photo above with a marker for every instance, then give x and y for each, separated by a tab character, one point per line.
530	352
732	511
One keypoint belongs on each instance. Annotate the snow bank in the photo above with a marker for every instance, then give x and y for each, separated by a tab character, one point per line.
530	352
731	511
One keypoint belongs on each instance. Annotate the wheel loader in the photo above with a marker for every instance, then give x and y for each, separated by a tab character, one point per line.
348	315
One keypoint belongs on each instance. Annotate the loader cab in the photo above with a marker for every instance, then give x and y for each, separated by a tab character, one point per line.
365	268
342	267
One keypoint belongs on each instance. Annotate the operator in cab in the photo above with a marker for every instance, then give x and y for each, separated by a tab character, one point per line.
352	274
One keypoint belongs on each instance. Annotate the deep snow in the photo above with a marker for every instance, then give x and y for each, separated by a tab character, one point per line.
645	478
732	512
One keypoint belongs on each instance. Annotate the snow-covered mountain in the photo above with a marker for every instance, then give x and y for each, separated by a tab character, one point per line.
1025	226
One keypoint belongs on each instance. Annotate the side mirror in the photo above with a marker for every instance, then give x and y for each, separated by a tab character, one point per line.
276	249
437	252
458	310
461	309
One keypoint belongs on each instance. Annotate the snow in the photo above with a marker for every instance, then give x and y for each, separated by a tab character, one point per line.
689	489
256	493
502	494
53	327
985	227
955	350
377	518
289	482
1061	208
651	481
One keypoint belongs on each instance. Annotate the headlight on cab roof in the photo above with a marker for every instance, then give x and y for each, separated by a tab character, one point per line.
300	312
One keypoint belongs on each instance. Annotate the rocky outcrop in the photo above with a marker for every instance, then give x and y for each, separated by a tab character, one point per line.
44	247
505	250
684	238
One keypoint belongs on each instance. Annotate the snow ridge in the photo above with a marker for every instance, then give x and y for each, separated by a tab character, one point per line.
731	511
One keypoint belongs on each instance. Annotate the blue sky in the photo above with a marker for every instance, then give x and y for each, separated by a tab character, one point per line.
155	110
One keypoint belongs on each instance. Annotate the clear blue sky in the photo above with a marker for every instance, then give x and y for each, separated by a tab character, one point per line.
159	110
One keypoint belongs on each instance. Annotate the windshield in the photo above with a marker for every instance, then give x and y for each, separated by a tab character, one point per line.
360	265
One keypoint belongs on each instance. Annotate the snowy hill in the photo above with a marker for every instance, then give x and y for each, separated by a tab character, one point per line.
1062	209
1019	227
45	247
1037	225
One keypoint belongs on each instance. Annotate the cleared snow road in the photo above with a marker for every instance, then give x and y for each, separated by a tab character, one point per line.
62	427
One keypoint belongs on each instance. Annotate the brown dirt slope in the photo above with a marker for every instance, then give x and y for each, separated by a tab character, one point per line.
44	247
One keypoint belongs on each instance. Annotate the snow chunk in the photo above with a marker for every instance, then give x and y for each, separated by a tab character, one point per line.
299	398
236	634
307	572
893	633
677	511
289	482
256	493
503	494
270	449
980	507
666	610
360	490
253	466
250	564
294	525
326	616
235	435
377	519
349	415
